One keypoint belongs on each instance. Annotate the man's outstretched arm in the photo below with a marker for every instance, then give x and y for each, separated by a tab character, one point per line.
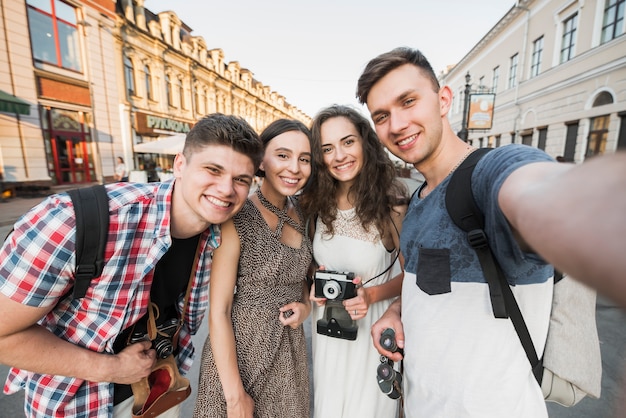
574	216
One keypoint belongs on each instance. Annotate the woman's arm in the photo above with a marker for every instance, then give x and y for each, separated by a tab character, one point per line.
223	281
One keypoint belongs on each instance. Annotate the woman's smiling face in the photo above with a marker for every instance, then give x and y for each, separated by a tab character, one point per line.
342	148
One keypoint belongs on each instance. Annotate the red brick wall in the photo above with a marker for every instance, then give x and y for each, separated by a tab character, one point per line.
57	90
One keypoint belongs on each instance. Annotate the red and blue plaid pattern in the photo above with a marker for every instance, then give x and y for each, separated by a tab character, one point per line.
37	266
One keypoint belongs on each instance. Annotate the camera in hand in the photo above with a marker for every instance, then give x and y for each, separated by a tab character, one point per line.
162	343
388	341
334	285
389	380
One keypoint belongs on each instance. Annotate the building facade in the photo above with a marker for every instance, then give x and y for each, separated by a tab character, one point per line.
171	79
85	81
558	72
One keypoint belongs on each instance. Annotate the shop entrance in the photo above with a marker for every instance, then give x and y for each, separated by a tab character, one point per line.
67	135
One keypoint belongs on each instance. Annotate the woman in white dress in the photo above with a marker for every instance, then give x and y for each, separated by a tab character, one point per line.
356	205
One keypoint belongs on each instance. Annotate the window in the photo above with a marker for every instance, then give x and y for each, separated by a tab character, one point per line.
495	79
513	72
54	33
481	82
543	136
181	93
569	38
613	22
129	76
596	145
146	71
535	66
168	90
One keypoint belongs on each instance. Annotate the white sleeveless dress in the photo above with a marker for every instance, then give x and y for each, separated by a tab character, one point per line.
344	372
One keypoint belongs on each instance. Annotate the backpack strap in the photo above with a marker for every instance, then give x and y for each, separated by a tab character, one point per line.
91	207
466	215
464	212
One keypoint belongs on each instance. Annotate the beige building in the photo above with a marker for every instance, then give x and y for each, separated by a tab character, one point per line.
558	71
171	79
85	81
52	59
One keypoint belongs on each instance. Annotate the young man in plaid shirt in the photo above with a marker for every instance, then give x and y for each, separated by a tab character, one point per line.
71	355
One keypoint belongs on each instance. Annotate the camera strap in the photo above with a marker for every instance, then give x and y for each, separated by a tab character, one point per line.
153	309
397	250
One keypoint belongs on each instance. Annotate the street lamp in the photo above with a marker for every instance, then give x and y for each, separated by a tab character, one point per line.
463	133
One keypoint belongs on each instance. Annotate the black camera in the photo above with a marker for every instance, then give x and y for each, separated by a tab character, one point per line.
334	285
162	343
389	380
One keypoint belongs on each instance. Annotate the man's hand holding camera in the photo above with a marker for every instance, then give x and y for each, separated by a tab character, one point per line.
132	364
390	319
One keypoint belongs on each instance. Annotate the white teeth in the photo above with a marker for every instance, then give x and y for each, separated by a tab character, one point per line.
343	166
407	140
218	202
290	181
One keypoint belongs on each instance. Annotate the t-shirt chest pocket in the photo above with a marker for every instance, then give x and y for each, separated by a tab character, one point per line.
433	270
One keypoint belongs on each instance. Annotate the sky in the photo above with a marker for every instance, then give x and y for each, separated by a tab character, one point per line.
312	52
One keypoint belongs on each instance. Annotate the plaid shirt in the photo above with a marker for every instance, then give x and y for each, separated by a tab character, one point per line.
37	267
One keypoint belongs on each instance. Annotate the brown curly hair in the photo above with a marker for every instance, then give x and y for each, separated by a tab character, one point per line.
376	188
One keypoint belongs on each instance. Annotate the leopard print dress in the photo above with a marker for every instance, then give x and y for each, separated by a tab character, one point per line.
272	359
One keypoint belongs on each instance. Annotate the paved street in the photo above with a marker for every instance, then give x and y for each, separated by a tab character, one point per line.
611	327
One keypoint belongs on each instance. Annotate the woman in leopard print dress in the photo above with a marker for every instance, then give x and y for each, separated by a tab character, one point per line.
254	362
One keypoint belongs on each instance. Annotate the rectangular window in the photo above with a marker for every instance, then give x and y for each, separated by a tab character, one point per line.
169	94
513	71
129	76
543	135
495	79
535	66
613	22
148	80
570	141
568	41
54	33
181	93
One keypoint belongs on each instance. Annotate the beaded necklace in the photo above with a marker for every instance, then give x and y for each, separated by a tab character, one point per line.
282	215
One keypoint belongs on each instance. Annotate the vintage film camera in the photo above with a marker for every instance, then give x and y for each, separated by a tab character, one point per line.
389	379
334	285
162	343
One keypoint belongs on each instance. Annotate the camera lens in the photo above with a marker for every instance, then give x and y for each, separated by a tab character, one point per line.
331	290
163	347
385	372
388	340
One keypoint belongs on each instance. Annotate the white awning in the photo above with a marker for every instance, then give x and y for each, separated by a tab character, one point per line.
170	145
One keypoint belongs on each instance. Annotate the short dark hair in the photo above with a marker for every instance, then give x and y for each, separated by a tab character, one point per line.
278	127
219	129
380	66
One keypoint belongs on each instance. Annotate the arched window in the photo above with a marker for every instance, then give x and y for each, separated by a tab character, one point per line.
129	76
146	71
604	98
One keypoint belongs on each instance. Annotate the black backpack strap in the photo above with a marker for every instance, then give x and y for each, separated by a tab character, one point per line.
91	207
466	215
